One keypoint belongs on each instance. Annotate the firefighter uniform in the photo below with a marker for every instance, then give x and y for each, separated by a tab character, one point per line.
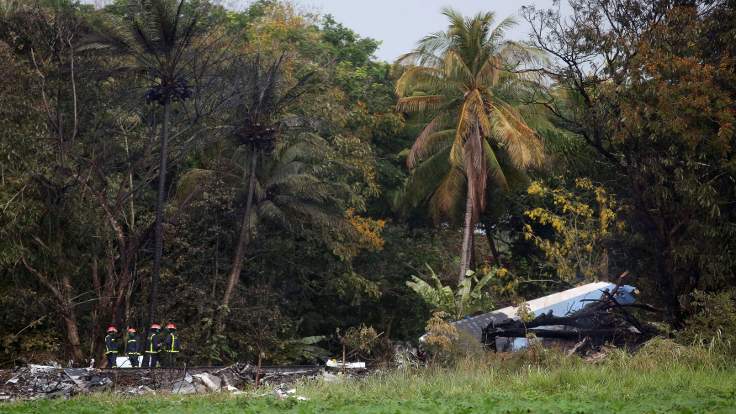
111	347
153	347
133	347
170	346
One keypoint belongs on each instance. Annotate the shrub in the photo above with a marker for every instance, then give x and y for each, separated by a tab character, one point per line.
712	321
361	339
662	352
440	337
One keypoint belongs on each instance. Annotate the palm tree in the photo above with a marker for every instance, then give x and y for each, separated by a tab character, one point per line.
289	189
462	81
159	36
262	99
286	190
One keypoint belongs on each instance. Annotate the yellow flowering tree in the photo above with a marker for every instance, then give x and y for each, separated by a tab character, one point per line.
369	230
582	220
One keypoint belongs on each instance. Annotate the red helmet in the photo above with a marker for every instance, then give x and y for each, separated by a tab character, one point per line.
170	325
112	328
131	330
155	326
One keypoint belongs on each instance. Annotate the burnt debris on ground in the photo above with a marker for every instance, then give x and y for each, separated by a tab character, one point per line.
48	381
34	382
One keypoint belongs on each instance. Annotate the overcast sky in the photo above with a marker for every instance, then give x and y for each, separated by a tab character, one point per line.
399	24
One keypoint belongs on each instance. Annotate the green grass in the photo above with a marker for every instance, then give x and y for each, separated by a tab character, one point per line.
666	379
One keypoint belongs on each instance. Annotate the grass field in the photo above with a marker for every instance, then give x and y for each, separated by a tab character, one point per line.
661	380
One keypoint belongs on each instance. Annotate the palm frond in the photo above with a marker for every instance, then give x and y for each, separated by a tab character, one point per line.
431	46
523	145
490	72
268	210
516	54
412	104
282	173
301	151
447	199
497	171
456	69
426	177
417	75
419	58
433	143
498	34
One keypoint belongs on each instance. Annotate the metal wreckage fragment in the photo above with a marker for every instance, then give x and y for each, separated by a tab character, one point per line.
605	321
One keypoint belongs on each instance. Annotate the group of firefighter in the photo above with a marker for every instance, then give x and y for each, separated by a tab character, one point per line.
158	349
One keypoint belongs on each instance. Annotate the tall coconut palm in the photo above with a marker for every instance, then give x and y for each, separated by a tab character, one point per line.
158	35
262	99
462	81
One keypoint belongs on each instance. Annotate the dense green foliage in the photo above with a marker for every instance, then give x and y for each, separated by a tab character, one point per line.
294	185
295	101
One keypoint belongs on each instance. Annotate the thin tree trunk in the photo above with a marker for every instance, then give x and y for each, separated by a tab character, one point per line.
467	234
97	307
243	241
258	370
70	320
130	183
126	304
72	332
492	244
343	359
159	236
476	177
473	253
665	282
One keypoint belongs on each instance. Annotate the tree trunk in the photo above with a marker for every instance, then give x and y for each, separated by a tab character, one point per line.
126	305
70	320
160	201
665	280
97	286
473	253
72	333
118	304
243	241
467	235
343	359
131	203
492	244
258	370
62	295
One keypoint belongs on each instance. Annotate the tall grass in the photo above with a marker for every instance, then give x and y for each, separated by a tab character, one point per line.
662	377
659	365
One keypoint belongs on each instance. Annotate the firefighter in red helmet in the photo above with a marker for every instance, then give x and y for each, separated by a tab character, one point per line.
133	347
153	347
170	347
111	346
